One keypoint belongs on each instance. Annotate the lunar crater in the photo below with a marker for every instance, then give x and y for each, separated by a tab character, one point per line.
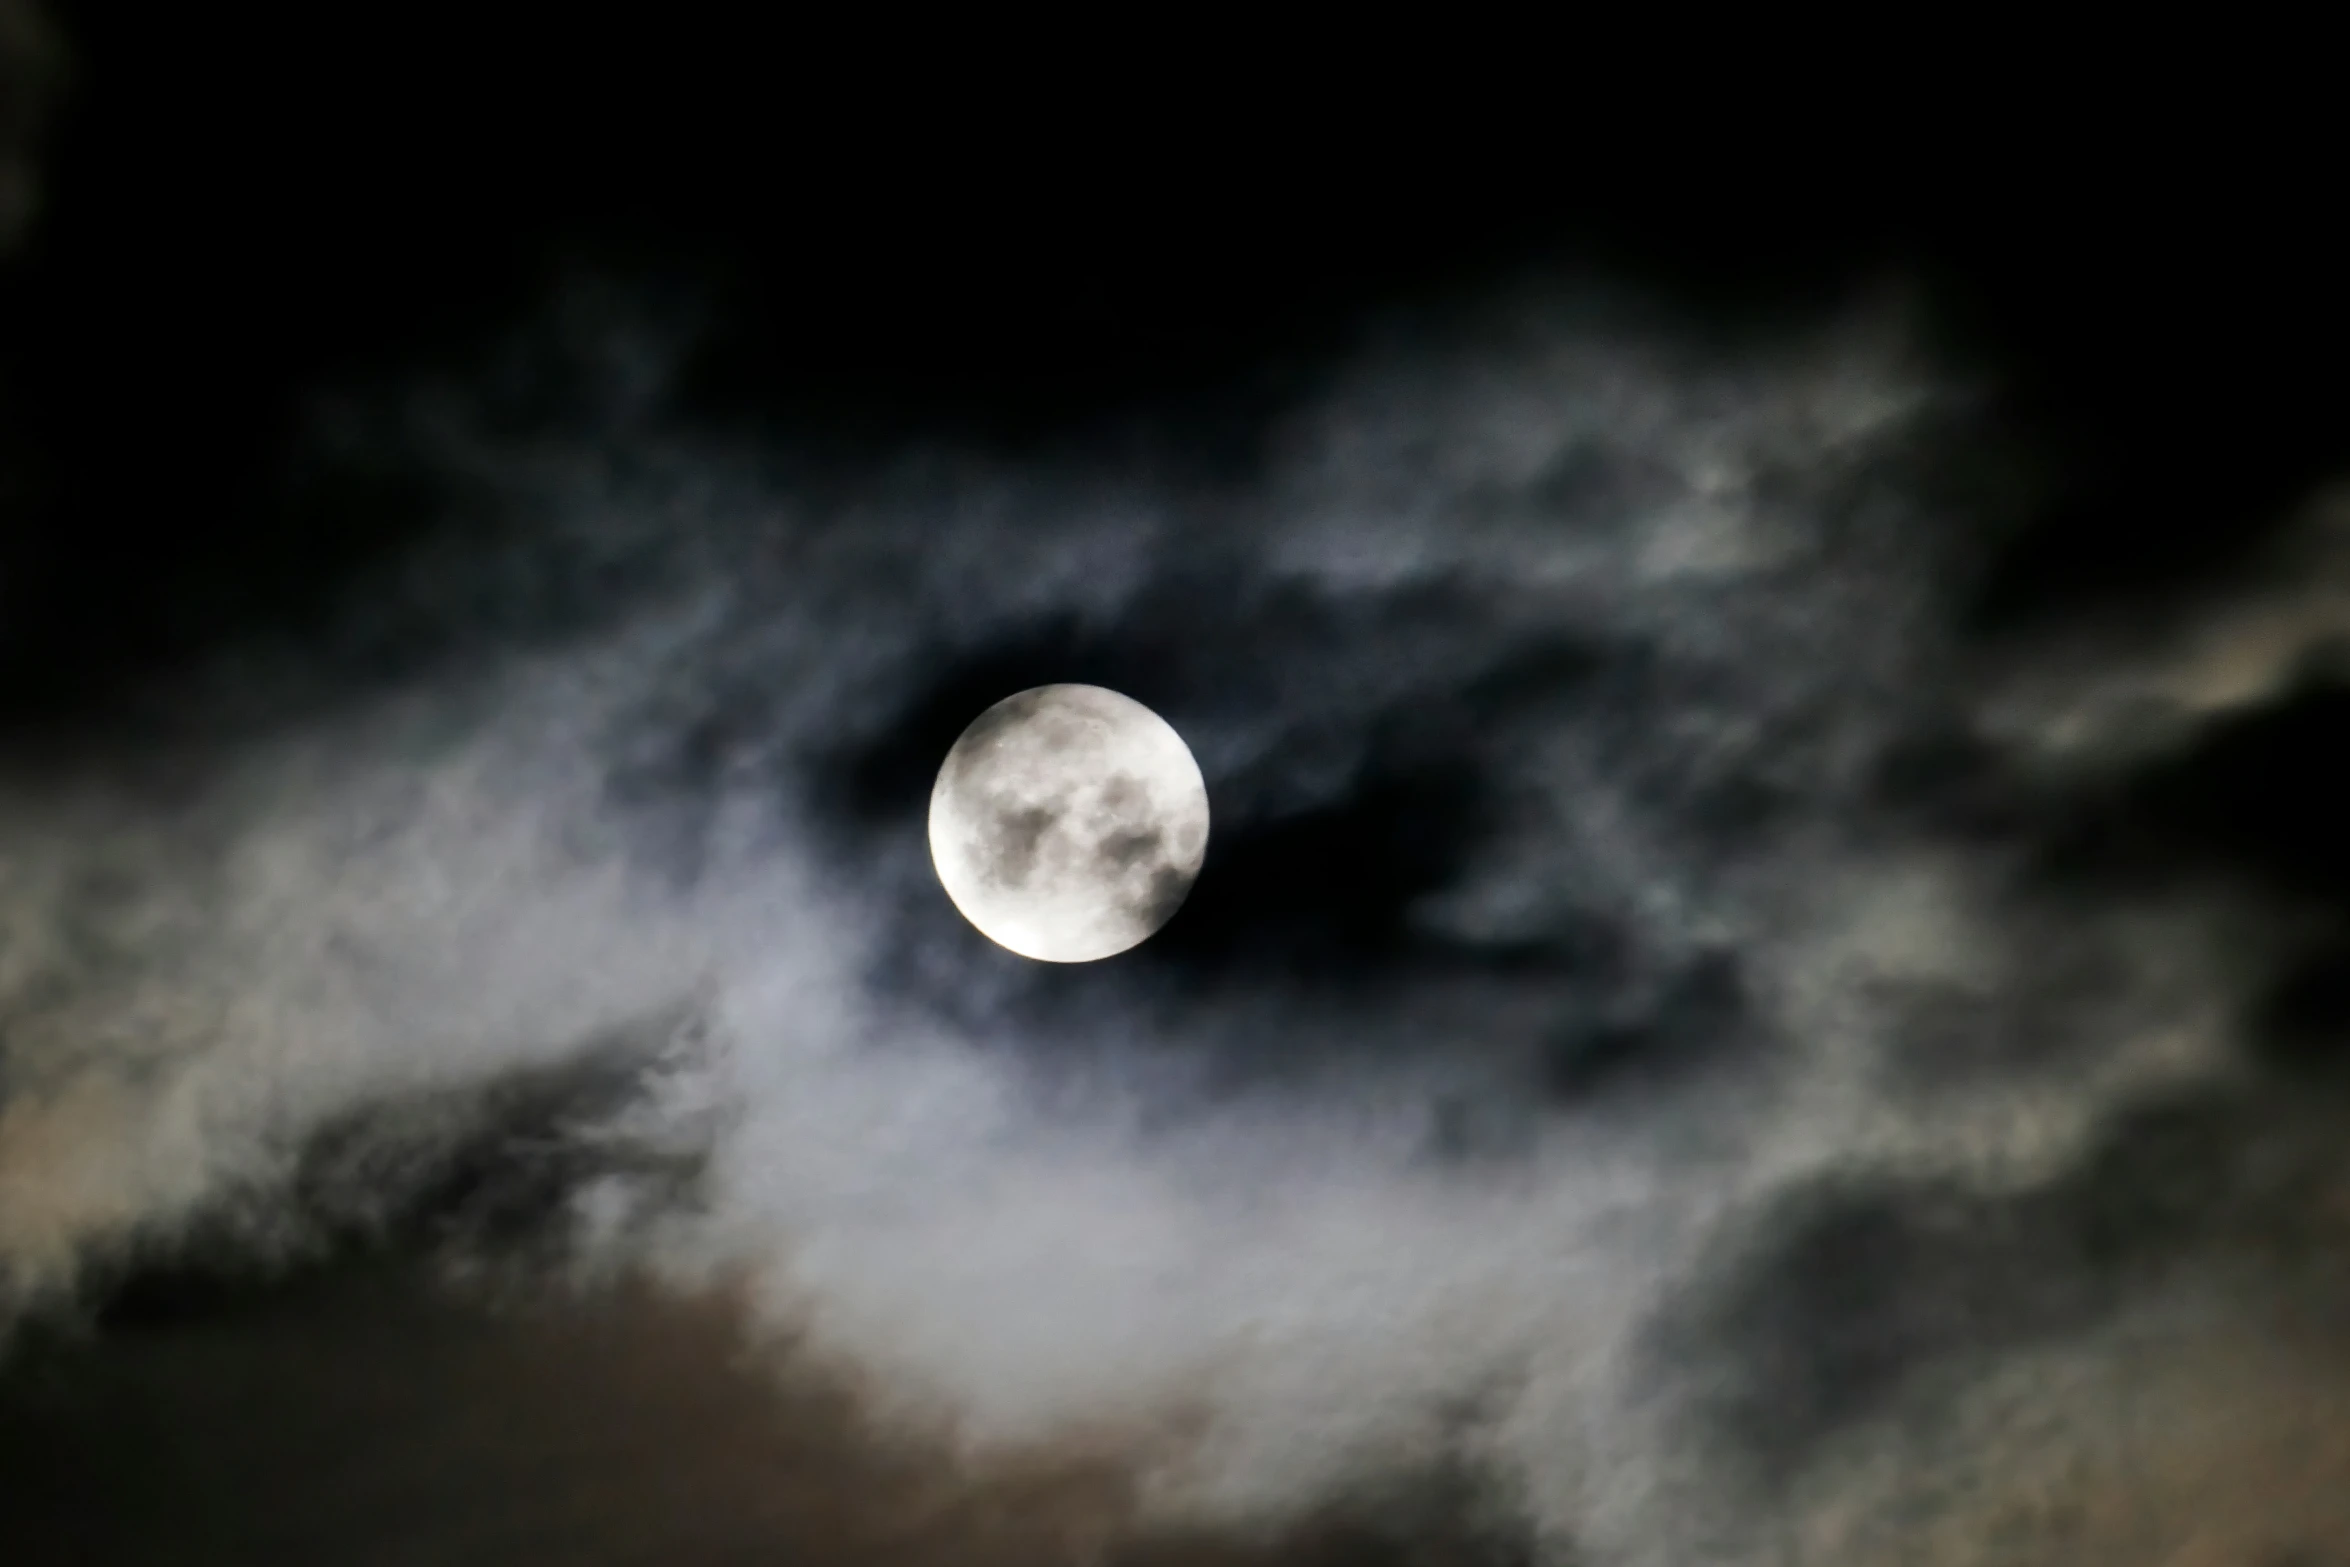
1018	831
1125	849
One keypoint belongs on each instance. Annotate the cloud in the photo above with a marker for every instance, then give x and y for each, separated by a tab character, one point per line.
1572	968
2145	686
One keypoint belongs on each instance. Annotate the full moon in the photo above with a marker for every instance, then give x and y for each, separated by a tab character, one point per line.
1068	823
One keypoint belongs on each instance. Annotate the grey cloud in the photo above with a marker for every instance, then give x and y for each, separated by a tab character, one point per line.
1575	963
1868	1286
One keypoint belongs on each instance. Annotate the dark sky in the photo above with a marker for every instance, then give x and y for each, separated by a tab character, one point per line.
252	204
1769	985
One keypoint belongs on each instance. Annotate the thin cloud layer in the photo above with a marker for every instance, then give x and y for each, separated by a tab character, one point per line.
1638	1036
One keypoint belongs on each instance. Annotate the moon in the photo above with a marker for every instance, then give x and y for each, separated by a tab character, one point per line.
1068	823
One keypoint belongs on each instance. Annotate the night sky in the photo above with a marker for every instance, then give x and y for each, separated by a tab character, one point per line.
1772	974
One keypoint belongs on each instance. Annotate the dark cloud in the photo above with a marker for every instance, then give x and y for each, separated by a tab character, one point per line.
370	1410
1660	1011
1866	1290
244	1395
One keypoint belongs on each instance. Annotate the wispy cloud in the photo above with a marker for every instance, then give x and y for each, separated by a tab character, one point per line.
1567	945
